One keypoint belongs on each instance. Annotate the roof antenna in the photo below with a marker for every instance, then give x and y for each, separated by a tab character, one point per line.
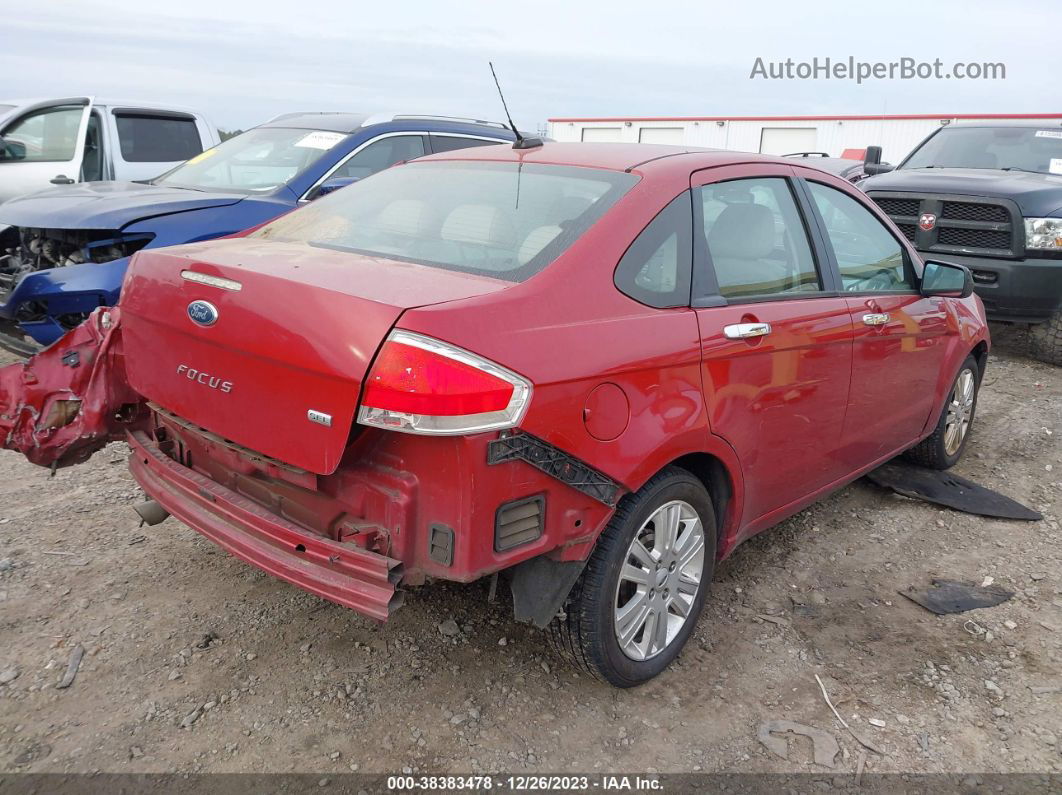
521	141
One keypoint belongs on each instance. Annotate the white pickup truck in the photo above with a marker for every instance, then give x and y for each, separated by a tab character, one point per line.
47	142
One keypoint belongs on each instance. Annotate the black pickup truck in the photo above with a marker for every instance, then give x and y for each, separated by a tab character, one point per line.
988	195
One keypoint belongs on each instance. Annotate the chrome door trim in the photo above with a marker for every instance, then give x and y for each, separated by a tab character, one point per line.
742	331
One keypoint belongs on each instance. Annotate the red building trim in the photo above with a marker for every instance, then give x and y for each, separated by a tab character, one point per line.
899	117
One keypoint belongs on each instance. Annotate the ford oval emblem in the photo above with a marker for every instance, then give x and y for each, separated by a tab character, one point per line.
203	313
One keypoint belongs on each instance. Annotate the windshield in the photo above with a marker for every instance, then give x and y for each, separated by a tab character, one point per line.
258	160
504	220
1018	148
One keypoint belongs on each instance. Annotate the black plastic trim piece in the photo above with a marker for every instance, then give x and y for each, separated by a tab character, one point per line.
532	532
441	543
151	112
818	237
554	462
540	587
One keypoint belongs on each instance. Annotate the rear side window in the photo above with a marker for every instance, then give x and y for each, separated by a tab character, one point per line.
157	139
504	220
656	268
756	240
448	143
869	257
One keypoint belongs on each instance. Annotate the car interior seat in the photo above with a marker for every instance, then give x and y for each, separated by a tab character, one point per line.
479	236
536	240
740	243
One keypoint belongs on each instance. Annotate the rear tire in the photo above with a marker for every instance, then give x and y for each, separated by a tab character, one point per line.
944	447
646	580
1045	340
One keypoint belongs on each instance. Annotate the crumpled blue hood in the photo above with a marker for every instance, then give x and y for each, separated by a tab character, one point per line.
105	205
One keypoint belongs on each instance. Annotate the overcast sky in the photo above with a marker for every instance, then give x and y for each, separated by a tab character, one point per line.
242	61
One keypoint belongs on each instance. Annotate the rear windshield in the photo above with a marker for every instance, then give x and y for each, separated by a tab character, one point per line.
504	220
1007	148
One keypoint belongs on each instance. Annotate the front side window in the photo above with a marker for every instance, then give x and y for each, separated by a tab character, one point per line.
258	160
655	270
868	256
755	239
156	139
46	135
381	154
504	220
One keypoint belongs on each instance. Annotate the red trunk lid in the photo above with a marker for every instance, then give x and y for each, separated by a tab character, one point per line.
296	336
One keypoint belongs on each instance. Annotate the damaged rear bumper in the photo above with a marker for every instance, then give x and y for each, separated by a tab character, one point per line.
343	573
66	402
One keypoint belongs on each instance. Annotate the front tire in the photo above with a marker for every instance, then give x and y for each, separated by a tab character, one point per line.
944	447
1045	340
643	589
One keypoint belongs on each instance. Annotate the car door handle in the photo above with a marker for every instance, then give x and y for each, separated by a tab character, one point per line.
61	179
742	331
876	319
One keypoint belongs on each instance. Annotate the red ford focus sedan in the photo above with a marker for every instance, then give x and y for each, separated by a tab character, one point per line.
595	368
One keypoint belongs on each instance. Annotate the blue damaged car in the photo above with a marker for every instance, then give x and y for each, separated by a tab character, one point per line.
63	252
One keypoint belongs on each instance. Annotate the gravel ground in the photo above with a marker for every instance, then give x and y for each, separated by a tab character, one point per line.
195	662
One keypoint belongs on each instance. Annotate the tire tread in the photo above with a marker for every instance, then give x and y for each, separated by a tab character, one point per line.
1045	340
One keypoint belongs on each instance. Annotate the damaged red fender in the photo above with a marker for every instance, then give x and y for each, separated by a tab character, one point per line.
66	402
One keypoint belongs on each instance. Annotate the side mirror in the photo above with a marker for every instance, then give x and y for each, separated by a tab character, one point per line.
12	150
872	162
332	184
947	279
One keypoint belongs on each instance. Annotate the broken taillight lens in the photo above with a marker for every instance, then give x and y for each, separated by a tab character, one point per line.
423	385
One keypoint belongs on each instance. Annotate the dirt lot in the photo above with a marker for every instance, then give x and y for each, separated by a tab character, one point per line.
197	662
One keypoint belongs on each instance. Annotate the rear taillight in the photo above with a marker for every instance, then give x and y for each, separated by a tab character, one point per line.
422	385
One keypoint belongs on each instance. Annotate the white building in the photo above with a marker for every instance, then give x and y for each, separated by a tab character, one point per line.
775	135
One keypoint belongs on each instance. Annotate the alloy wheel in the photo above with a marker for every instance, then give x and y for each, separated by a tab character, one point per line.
659	581
960	412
